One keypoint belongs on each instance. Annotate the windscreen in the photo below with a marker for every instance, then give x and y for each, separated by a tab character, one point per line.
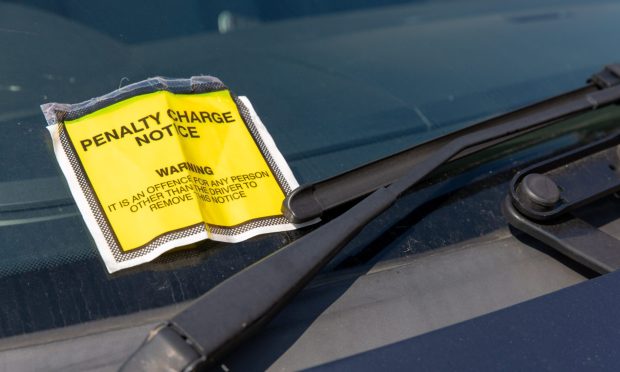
336	83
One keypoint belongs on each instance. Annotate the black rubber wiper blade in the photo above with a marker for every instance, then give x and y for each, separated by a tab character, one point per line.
221	318
311	201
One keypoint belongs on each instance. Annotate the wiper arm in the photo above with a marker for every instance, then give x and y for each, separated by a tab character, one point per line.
222	317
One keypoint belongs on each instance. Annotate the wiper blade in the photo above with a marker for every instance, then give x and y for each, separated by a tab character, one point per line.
311	201
221	318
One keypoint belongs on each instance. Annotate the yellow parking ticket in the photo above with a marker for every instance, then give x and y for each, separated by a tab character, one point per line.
168	162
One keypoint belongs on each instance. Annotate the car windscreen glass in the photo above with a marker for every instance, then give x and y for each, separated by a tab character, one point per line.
337	85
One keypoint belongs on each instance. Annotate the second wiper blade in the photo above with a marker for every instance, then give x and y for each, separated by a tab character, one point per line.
310	201
221	318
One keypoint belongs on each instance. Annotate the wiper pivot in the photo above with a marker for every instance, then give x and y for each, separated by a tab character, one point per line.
543	197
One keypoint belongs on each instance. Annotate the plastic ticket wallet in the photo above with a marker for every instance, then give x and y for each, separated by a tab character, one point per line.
168	162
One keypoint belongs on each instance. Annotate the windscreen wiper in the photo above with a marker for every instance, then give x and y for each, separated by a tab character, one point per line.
218	320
